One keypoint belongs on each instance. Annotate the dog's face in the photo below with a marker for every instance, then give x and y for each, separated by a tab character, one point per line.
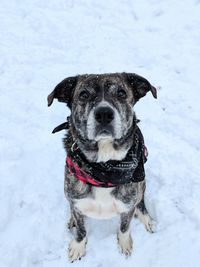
102	105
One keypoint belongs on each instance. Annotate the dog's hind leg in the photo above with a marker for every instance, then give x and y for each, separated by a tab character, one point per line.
124	236
143	215
77	247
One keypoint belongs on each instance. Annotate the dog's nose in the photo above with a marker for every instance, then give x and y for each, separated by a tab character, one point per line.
104	115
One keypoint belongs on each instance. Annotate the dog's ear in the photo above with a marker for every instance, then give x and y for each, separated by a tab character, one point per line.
63	91
139	85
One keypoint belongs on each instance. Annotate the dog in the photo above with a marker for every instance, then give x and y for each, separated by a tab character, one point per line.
104	173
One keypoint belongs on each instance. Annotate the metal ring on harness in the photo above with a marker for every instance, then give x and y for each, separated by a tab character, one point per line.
72	147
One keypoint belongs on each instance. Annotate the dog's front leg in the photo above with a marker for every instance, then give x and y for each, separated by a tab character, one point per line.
77	247
124	236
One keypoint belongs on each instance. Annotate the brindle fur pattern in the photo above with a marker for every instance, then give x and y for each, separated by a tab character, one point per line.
84	94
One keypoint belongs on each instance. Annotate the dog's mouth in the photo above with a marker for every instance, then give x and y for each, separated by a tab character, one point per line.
104	133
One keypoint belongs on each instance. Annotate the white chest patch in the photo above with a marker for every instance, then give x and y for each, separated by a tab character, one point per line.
102	206
107	152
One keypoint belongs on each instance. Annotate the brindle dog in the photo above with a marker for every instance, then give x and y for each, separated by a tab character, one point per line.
101	118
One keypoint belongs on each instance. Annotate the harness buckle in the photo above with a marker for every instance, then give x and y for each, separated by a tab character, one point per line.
73	148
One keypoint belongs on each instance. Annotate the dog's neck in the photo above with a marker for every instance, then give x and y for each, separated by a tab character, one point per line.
106	151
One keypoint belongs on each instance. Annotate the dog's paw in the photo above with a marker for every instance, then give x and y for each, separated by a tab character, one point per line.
149	223
146	219
77	249
125	242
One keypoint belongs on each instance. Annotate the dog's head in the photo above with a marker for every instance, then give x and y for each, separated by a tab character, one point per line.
102	105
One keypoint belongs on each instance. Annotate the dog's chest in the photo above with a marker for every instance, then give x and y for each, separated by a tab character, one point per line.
103	205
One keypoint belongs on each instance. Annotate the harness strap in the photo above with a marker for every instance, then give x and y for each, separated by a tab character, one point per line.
83	176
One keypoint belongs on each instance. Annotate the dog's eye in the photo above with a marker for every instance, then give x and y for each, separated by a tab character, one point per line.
121	94
84	95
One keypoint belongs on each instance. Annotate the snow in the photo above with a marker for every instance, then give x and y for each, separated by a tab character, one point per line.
42	42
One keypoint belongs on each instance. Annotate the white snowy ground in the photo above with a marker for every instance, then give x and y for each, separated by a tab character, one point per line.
43	42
